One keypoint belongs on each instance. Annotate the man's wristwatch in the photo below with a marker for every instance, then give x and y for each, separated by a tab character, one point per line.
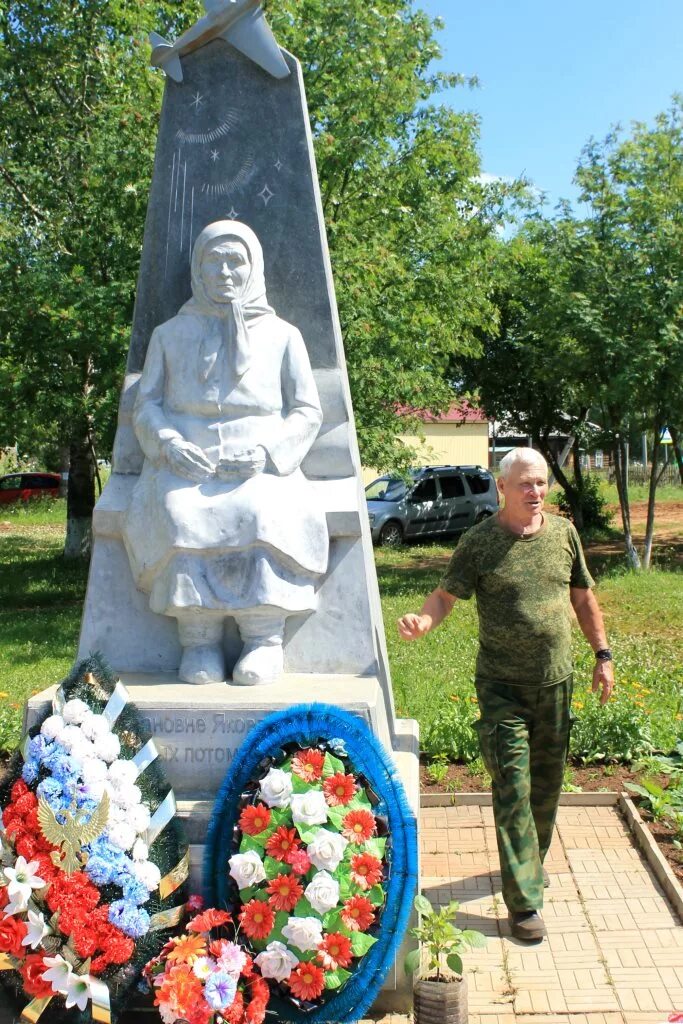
604	654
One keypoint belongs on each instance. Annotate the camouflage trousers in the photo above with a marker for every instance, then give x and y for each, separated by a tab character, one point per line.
524	738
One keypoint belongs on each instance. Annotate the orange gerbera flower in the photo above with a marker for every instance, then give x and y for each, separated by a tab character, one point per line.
285	892
357	913
187	949
335	951
359	826
307	981
339	789
366	870
254	819
208	919
282	843
308	765
257	919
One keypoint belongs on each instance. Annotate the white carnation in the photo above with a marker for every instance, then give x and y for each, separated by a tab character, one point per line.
127	795
122	773
93	770
148	873
117	815
72	739
304	932
109	747
322	892
327	849
276	788
122	835
247	869
95	727
74	711
52	727
140	817
309	808
276	961
140	850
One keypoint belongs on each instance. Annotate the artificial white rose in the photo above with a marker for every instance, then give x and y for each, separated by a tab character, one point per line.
147	873
327	849
322	892
304	932
52	727
276	961
74	711
109	747
95	727
123	773
309	808
247	869
276	788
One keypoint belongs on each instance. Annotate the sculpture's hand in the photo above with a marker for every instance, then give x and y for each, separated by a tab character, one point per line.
242	464
188	460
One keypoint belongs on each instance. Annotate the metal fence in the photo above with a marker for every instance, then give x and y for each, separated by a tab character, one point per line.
640	474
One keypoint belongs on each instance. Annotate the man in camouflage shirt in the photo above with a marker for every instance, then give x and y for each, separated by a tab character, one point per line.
527	570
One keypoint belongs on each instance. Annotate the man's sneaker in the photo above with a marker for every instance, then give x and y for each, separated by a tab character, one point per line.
527	925
546	879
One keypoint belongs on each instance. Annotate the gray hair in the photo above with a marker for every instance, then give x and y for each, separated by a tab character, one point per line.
521	456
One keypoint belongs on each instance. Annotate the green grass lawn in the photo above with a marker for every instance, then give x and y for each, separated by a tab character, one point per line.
40	607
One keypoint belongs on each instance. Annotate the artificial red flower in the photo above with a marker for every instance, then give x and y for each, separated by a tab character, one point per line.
4	896
282	843
233	1014
208	919
357	913
335	951
307	981
254	819
257	919
339	789
299	861
359	826
285	892
31	971
25	804
83	938
195	902
180	989
366	870
76	889
12	931
18	789
308	764
255	1012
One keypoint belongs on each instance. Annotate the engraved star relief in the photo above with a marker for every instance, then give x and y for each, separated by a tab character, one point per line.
278	165
232	213
214	155
197	101
266	195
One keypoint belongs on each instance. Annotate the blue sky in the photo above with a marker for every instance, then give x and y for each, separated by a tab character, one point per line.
554	74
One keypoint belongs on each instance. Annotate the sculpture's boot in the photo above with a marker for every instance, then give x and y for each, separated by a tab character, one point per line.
202	642
261	660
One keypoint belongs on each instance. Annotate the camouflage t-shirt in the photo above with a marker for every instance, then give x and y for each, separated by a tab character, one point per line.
522	590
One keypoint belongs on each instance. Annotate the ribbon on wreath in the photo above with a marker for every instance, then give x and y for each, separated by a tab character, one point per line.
98	994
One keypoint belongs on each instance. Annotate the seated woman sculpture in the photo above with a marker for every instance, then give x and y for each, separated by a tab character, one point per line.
222	522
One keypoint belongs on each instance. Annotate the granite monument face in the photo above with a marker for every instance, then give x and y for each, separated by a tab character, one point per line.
222	522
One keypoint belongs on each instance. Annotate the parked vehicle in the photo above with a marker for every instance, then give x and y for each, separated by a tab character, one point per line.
433	500
23	486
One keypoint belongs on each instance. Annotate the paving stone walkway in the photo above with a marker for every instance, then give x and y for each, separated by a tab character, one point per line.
614	952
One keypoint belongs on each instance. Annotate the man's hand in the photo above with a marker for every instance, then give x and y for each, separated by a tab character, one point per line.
412	627
603	679
243	464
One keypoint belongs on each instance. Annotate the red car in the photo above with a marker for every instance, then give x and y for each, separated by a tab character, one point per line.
22	486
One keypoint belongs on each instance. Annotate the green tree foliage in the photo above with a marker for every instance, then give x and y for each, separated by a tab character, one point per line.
76	146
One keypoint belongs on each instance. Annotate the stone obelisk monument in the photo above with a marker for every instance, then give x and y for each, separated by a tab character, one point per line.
234	145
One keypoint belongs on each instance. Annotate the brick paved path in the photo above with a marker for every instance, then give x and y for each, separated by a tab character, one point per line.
614	952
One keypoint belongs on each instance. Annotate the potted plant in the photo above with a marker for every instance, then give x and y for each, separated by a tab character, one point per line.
440	991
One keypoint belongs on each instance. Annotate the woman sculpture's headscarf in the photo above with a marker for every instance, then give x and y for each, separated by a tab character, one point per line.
249	305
